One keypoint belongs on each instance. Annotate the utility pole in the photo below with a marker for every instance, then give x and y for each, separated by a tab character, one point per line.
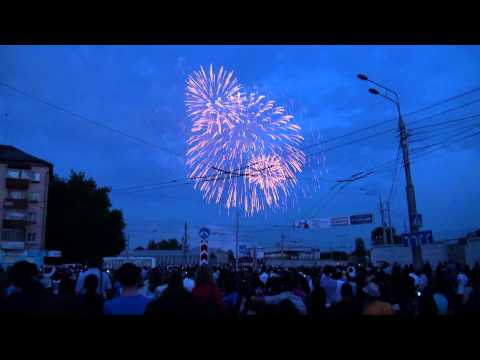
185	242
236	241
410	191
390	221
282	238
382	214
411	201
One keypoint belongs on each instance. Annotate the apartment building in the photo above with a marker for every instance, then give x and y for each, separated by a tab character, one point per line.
24	183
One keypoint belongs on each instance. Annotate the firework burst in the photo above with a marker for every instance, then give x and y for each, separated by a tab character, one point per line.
246	145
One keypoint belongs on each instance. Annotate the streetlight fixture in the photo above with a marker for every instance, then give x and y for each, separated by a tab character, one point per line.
412	206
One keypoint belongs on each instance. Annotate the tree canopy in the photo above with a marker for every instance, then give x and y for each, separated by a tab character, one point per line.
80	220
170	244
377	236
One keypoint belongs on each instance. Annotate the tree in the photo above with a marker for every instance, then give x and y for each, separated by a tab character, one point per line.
360	250
231	257
170	244
80	220
359	255
377	236
152	245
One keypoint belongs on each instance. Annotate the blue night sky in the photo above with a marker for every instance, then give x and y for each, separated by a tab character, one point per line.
139	90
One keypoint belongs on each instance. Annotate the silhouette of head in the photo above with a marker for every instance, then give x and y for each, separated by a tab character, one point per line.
129	275
23	274
91	283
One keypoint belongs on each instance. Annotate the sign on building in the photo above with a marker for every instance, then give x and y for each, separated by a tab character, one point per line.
361	219
417	239
340	221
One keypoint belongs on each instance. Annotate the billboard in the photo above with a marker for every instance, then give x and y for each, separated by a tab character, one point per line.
340	221
361	219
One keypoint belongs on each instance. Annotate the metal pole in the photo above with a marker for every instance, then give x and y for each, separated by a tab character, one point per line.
390	222
236	242
184	246
411	201
383	220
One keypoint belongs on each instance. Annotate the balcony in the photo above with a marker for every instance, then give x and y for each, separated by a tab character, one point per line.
17	184
12	245
20	204
14	223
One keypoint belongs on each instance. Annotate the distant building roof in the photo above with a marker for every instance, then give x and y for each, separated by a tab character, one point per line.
12	154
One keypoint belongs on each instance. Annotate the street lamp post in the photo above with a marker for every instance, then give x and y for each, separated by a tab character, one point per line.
382	213
411	202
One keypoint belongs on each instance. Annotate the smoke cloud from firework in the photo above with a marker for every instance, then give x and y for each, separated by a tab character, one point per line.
244	150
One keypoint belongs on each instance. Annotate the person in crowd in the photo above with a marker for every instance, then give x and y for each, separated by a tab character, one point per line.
207	295
93	268
373	305
346	306
188	281
231	298
3	284
287	294
329	284
158	290
90	303
427	305
30	297
338	277
215	274
428	271
66	291
317	301
175	301
130	302
264	276
47	277
440	293
461	285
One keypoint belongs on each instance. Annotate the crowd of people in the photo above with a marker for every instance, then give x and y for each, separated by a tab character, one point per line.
202	291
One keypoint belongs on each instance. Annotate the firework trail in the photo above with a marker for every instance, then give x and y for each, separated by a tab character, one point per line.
245	144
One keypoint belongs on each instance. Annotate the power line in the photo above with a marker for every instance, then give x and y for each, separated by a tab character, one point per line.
84	118
442	102
354	141
395	174
445	111
94	122
453	122
444	133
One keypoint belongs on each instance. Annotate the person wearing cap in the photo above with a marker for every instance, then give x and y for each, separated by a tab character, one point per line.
374	306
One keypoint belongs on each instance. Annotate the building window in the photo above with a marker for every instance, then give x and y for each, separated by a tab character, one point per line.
25	174
18	195
14	215
35	176
31	217
13	235
13	174
18	174
34	196
31	237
